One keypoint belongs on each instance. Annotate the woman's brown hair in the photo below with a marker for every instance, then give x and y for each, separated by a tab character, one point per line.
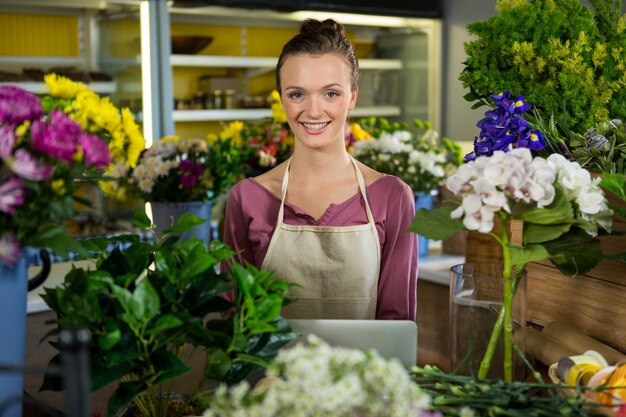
318	38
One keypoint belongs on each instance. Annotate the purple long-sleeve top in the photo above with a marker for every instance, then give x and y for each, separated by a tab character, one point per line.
252	211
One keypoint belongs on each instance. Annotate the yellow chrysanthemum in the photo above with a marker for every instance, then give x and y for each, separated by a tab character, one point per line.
22	129
63	87
211	138
233	131
112	189
173	138
136	141
359	133
278	112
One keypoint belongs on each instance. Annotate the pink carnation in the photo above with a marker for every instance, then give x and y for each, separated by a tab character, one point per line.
59	138
7	139
27	166
11	195
96	151
9	249
18	105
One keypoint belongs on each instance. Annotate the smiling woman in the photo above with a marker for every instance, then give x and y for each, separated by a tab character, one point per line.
321	219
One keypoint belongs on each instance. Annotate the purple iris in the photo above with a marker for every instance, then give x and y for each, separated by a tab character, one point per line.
18	105
503	128
191	172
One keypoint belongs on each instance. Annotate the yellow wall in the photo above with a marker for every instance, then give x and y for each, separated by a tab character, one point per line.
23	34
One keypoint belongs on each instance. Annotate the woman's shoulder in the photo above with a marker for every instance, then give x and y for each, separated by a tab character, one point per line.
391	184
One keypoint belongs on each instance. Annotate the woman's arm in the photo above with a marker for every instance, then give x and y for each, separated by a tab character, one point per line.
236	225
397	285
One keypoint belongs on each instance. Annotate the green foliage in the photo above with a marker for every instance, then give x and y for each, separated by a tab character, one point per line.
149	306
564	57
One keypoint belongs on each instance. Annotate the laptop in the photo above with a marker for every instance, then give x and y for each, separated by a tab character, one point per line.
391	338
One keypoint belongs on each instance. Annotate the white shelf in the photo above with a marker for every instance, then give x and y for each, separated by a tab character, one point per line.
41	60
254	114
265	62
40	87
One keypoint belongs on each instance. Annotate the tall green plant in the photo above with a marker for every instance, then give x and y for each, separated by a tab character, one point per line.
147	305
564	57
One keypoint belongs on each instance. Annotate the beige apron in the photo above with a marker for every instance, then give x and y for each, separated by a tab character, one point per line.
337	267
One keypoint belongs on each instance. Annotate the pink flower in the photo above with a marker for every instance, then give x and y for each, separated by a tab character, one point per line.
27	166
9	249
18	105
96	151
59	138
7	139
11	195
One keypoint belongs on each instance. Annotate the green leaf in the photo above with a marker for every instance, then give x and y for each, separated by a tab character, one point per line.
112	336
526	254
141	219
185	222
145	302
559	211
196	264
217	365
436	224
616	183
168	366
244	357
540	233
165	322
575	252
52	381
619	257
101	376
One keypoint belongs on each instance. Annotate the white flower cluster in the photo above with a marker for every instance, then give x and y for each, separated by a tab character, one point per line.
493	183
319	380
160	158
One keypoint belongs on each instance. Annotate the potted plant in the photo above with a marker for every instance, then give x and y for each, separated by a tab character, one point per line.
148	304
50	147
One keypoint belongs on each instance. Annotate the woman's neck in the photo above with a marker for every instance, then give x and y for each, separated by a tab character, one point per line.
320	165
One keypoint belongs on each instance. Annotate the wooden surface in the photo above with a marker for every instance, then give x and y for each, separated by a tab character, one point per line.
433	324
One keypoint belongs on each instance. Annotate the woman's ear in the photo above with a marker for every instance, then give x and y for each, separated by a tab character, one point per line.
355	94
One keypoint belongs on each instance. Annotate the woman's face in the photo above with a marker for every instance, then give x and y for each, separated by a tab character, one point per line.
316	97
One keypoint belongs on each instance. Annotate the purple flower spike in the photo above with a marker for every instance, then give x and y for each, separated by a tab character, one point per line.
190	173
18	105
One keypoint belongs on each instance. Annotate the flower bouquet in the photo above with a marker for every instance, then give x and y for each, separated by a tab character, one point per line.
47	146
263	144
319	380
420	158
562	209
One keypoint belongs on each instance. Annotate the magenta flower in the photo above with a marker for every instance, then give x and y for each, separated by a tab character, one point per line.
27	166
9	249
96	151
11	195
59	138
191	171
7	139
18	105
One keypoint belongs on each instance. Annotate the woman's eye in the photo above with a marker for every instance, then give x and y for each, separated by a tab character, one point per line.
332	94
295	95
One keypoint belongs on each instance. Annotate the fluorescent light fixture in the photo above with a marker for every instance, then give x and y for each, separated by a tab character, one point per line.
146	72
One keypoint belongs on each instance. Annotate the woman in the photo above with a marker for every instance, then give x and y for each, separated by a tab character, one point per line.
321	219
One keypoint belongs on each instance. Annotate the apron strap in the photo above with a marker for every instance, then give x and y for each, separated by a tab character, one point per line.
359	178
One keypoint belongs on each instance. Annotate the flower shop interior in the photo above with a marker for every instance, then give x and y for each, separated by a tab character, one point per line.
516	155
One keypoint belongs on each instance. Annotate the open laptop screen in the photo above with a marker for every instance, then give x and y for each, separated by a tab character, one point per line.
391	338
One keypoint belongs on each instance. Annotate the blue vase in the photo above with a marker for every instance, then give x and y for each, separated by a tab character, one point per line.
425	201
14	287
165	215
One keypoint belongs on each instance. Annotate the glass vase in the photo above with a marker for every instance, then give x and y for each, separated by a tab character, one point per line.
476	299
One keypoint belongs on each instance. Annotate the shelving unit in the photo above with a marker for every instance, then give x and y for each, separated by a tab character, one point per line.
40	87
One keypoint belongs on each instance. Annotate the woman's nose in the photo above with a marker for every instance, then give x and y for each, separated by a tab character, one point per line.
315	107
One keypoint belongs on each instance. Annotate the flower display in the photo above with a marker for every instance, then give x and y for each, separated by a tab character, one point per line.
563	210
570	65
174	170
503	128
45	148
420	158
263	144
319	380
97	115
